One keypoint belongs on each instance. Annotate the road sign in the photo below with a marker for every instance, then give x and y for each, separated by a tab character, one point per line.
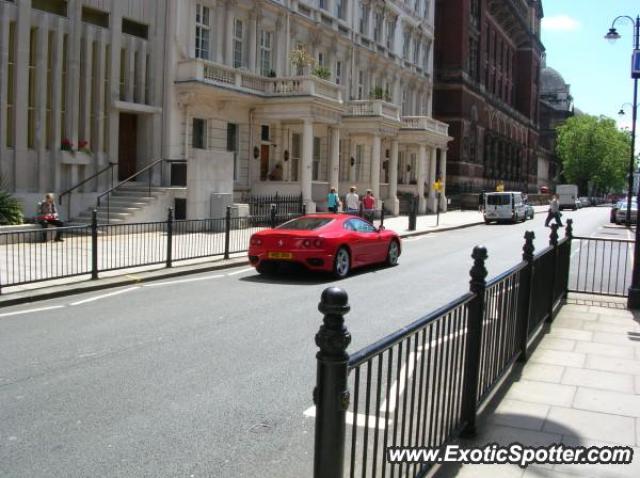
635	64
437	186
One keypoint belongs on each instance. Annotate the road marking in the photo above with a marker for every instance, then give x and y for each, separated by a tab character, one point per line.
361	419
182	281
240	271
419	238
104	296
41	309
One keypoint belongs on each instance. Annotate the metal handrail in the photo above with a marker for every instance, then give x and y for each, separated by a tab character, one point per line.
130	178
81	183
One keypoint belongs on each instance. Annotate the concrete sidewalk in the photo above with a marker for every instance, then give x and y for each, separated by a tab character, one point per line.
56	287
581	386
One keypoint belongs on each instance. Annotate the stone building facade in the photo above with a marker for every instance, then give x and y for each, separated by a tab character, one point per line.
487	63
82	87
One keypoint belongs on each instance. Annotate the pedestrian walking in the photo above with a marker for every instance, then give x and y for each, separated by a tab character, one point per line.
49	215
333	201
554	212
352	201
369	205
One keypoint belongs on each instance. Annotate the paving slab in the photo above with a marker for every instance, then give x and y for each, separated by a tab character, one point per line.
519	414
542	392
554	343
599	471
612	364
553	357
619	351
605	401
619	382
569	333
543	372
585	424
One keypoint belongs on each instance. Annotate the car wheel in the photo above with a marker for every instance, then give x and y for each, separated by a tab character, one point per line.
393	253
487	222
267	268
342	263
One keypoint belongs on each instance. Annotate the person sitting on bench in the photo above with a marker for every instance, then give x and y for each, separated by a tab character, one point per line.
49	215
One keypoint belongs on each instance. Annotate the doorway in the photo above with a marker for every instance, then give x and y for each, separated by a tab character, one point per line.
264	162
127	145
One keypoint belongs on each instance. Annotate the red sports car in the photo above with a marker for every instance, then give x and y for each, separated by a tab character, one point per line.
324	242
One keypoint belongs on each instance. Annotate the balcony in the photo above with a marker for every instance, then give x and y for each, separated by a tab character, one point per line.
359	108
242	81
425	123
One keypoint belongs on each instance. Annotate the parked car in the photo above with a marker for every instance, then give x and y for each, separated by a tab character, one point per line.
334	243
529	212
504	207
585	201
621	213
616	206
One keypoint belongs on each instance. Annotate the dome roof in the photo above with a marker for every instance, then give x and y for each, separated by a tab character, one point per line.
552	81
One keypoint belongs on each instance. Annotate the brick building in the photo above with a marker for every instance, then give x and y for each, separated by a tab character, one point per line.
487	67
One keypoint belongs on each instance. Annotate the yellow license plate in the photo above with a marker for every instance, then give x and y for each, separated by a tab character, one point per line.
280	255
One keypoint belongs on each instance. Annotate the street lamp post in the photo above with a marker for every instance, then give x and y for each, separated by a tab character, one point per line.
631	172
633	301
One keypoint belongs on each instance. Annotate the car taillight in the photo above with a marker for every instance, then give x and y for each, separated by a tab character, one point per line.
317	243
256	241
306	243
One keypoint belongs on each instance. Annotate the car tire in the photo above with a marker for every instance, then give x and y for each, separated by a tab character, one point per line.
267	269
393	253
342	263
487	222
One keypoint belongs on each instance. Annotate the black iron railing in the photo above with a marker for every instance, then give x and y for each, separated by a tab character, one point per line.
260	204
422	386
33	256
601	266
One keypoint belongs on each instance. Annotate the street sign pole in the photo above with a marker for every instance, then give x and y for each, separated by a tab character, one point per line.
438	209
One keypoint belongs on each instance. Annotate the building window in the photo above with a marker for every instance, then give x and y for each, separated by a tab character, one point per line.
63	84
406	44
266	41
322	4
94	95
199	134
95	17
136	29
340	9
391	33
203	31
123	73
405	102
147	77
296	148
57	7
264	133
31	106
377	26
238	34
320	58
232	145
416	54
364	20
107	97
49	139
11	86
360	84
339	72
315	176
360	170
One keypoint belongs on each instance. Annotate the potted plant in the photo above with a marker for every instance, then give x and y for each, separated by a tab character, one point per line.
10	209
321	72
377	93
272	74
300	58
83	146
66	145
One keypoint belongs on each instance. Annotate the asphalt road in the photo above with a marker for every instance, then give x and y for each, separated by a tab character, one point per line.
209	375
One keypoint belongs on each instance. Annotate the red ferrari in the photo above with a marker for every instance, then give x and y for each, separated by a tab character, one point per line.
335	243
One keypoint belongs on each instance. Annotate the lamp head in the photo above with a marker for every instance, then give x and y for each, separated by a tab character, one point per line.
612	36
621	112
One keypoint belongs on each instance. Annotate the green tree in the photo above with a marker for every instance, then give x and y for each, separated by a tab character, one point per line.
593	151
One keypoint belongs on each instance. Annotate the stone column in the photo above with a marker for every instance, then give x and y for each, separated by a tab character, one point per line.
375	166
307	162
443	178
334	159
21	98
392	202
421	177
41	139
432	179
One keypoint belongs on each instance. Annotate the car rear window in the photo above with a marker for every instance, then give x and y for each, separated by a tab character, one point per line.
499	199
305	223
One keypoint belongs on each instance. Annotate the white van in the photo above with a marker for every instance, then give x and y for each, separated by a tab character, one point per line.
506	206
567	196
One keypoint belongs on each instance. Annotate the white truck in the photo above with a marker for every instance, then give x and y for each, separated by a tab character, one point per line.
567	196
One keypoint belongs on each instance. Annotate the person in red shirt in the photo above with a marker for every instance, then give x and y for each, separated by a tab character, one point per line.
369	205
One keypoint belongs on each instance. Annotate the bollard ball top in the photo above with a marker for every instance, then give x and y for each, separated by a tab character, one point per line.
479	252
334	300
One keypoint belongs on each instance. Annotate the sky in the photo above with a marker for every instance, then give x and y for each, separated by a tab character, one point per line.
599	72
